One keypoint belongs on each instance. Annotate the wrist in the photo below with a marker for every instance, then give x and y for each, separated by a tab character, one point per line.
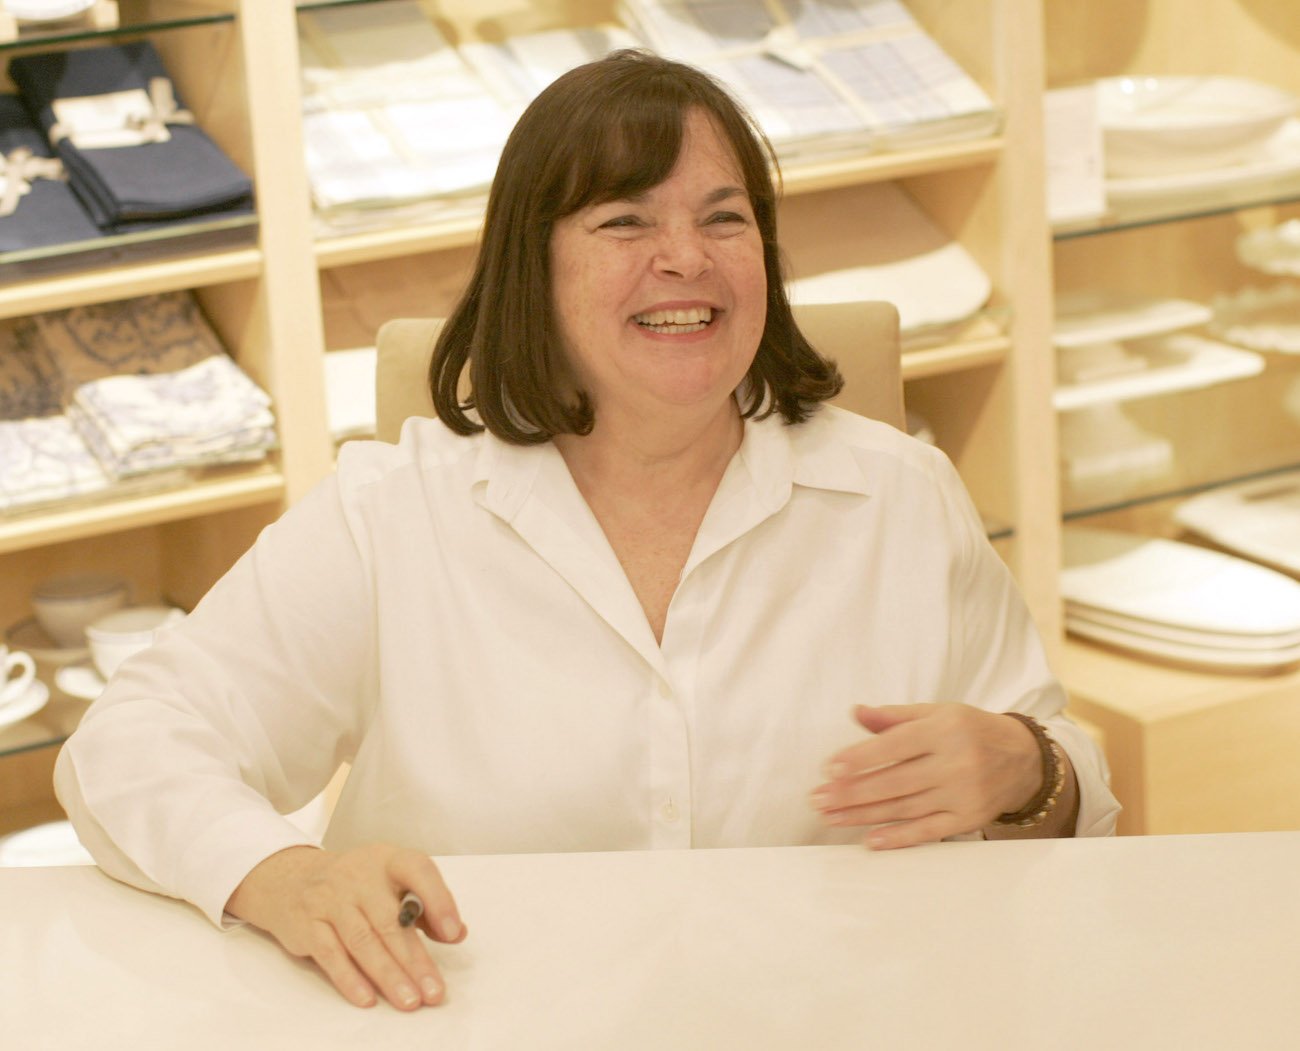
1051	767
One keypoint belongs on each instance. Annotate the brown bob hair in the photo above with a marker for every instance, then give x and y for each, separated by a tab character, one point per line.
604	131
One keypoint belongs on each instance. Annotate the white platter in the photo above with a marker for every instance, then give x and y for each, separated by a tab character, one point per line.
1190	656
1170	583
1274	250
28	704
45	10
1264	319
1279	157
1148	629
1259	519
1146	368
877	243
1102	316
1153	125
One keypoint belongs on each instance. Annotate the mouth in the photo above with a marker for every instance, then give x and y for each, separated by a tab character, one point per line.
676	322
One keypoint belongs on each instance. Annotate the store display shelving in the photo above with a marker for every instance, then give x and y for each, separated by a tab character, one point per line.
1191	750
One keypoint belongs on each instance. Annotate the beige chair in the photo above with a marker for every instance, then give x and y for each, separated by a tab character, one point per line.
861	337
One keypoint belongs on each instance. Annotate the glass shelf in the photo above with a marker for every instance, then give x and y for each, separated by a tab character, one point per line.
47	727
1129	215
134	17
1173	495
115	250
305	5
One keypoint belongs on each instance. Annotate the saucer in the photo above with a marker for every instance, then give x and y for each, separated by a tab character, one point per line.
30	636
80	681
29	703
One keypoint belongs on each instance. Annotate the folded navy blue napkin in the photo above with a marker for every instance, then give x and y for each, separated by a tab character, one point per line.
125	187
48	213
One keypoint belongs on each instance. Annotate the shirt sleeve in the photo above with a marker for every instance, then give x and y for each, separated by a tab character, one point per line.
1000	664
178	776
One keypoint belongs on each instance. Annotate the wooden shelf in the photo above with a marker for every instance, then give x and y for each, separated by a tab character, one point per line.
122	282
231	489
982	343
797	179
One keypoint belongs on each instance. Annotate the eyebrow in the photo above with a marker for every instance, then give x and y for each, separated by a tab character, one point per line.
722	193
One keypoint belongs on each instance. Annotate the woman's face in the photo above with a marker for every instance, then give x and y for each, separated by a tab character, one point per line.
662	299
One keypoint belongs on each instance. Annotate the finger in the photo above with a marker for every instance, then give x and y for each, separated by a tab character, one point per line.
903	742
879	719
892	782
333	959
405	947
904	808
928	829
415	872
369	951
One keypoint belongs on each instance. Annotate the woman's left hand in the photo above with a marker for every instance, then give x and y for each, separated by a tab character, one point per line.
930	771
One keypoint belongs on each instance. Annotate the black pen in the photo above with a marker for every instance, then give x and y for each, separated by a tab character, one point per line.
412	908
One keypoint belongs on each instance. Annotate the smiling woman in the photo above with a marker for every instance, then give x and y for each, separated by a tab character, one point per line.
639	590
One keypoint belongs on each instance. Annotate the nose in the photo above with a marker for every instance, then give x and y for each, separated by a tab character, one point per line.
683	252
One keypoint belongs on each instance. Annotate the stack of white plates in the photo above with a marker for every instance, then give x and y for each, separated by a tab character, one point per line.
1259	519
1179	603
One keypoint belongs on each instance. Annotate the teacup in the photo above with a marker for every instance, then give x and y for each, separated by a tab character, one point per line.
14	686
116	636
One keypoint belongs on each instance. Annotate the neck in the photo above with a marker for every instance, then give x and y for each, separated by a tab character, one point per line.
649	456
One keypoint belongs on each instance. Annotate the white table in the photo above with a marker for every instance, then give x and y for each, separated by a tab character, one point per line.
1162	942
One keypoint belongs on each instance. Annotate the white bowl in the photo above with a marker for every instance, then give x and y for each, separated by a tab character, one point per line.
65	605
116	636
1161	125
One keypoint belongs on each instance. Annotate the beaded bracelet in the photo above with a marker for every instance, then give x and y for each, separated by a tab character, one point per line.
1035	812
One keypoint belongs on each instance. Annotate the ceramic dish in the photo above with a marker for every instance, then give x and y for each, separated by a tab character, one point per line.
893	252
30	636
1275	250
1278	158
1103	316
28	704
1259	519
81	681
1261	319
46	10
1170	583
1148	629
1168	124
54	843
1146	368
1178	653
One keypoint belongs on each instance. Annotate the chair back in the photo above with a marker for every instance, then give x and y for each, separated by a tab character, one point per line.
861	337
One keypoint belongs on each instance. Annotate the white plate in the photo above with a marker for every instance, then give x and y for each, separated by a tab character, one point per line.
1259	519
1171	583
45	845
877	243
80	681
1191	656
1148	629
1275	250
1147	368
45	10
1279	157
1173	124
30	636
1102	317
1266	319
29	703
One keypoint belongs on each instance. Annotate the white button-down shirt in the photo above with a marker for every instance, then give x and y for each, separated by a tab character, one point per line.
447	615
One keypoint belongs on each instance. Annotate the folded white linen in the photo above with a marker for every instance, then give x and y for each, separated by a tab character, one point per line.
44	460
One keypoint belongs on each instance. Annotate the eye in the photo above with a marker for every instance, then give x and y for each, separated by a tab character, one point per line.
722	218
621	222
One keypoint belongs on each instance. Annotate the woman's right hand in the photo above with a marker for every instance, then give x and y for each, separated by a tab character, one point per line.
340	910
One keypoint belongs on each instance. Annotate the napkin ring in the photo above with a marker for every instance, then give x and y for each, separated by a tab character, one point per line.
1035	812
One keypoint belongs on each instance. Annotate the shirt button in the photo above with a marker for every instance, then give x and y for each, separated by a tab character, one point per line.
669	811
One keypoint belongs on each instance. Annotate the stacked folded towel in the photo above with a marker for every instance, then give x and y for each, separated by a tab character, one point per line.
134	155
98	394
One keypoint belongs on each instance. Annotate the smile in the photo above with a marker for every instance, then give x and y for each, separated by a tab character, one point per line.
676	322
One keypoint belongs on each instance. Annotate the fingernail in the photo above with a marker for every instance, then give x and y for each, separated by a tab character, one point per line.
877	841
432	990
407	995
450	928
837	769
821	799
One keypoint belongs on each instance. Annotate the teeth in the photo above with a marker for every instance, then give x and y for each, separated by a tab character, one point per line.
696	317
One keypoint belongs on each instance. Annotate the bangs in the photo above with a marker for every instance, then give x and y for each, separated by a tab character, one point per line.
624	150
